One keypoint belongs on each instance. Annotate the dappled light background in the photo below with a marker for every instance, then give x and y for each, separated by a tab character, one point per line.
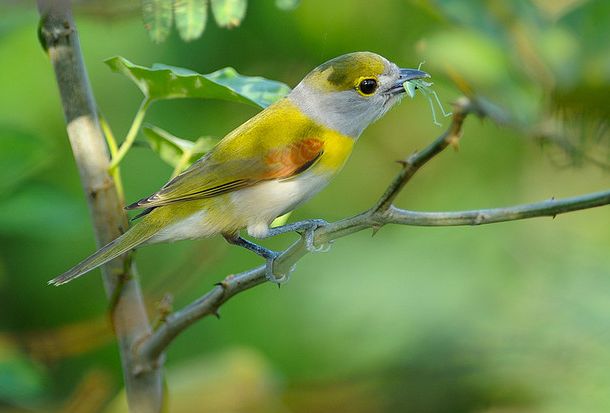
511	317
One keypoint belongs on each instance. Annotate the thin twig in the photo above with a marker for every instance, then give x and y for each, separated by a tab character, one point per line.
382	213
114	148
549	208
131	134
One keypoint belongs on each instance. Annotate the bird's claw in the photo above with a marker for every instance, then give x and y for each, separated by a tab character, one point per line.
308	235
270	275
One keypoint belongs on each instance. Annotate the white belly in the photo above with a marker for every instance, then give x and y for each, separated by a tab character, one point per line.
193	227
259	205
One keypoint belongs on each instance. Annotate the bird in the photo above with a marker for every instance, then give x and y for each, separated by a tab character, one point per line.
268	166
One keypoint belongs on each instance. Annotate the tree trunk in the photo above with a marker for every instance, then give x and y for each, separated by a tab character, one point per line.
59	37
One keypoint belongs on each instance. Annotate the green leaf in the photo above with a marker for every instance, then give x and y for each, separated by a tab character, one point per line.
168	82
229	13
172	149
157	16
191	16
261	91
287	4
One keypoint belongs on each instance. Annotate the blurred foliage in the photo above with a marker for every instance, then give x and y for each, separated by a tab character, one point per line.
287	4
530	57
158	17
228	13
504	318
191	15
21	156
21	380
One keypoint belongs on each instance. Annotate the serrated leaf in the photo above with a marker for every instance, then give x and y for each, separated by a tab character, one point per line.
168	82
157	16
172	149
287	4
191	16
229	13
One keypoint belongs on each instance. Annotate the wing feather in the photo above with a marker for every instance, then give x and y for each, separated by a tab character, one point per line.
210	177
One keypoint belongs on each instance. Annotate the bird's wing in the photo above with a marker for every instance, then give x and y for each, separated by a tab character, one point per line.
227	168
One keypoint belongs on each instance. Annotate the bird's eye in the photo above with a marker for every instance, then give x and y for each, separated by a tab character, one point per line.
367	86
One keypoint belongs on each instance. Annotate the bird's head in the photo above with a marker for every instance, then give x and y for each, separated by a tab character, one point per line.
351	91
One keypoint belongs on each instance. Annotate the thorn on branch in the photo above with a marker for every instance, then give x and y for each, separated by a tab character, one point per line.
409	161
375	229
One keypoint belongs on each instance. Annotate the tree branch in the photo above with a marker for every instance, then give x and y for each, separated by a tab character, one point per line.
382	213
549	208
57	33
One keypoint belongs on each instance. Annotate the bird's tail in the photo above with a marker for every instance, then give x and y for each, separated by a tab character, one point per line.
136	235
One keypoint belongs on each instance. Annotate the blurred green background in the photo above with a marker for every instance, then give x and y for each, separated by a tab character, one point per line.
511	317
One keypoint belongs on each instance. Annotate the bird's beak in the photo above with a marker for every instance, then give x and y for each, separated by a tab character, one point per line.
411	74
406	75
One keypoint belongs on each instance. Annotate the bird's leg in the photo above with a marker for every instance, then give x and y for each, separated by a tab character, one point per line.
259	250
306	228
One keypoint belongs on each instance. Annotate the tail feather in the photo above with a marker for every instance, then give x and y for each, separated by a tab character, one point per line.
126	242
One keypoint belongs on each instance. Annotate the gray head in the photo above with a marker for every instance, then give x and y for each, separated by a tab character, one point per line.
351	91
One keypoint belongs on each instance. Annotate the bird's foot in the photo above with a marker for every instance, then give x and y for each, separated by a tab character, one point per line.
267	254
306	229
270	275
308	232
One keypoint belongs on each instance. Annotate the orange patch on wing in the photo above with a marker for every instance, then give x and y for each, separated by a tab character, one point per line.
292	159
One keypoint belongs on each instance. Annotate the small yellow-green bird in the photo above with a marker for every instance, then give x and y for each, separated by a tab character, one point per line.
269	165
